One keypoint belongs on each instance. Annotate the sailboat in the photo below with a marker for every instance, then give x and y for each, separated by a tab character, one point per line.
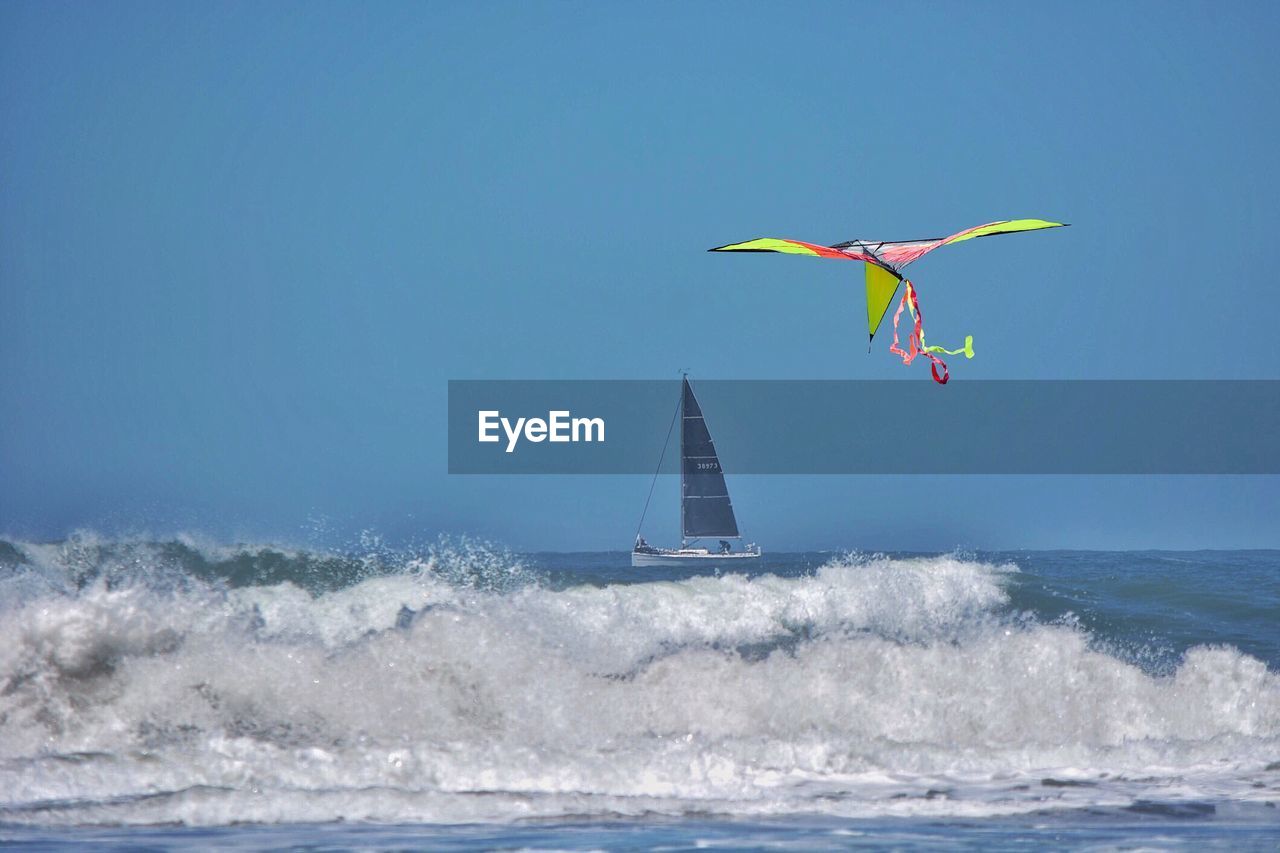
705	509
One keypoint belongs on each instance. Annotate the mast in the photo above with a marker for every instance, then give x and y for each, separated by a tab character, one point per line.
685	390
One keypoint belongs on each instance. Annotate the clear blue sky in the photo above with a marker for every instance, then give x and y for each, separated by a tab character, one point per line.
243	246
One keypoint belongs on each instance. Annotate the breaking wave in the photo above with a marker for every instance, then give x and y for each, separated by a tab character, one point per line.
145	682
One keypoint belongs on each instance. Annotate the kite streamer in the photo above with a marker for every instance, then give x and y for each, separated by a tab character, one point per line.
916	339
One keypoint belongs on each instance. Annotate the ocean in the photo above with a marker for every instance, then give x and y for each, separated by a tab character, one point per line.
172	693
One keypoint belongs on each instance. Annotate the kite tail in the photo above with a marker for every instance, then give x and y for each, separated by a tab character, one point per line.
915	340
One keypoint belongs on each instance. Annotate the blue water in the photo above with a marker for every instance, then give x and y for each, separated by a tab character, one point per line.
180	692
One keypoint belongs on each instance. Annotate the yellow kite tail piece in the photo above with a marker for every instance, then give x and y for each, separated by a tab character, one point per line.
966	350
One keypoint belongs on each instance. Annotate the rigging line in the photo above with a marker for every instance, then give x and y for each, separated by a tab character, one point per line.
848	243
661	456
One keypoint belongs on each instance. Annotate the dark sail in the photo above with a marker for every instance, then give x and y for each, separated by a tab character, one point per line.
705	509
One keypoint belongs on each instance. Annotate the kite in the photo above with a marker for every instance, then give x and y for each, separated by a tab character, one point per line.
885	260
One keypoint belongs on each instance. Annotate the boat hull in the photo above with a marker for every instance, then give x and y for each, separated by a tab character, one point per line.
674	558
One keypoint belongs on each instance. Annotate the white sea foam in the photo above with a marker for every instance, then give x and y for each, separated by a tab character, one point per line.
872	687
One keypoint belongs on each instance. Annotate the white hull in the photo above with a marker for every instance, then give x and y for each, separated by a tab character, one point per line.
664	557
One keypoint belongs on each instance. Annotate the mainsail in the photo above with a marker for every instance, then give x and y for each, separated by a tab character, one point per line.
705	509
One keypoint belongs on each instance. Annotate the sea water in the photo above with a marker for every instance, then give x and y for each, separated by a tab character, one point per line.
167	693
